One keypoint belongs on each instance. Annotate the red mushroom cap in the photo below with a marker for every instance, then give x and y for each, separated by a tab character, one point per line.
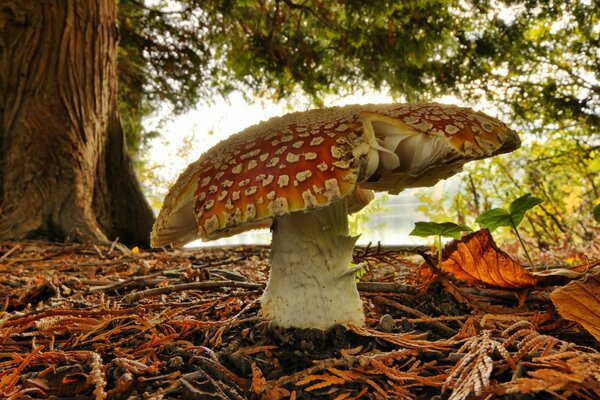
307	160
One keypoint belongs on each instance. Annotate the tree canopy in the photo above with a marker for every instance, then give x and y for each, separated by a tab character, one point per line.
536	62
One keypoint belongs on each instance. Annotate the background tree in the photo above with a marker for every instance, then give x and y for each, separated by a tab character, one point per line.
64	171
535	62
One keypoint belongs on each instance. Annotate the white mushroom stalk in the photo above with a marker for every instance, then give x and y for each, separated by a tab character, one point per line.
310	283
302	173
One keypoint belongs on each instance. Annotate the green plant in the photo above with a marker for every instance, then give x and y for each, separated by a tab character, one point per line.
597	213
498	217
445	229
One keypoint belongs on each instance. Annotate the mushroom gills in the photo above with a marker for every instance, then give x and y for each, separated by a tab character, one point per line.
401	156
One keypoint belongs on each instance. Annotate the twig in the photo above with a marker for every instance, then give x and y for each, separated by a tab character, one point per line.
413	312
385	287
133	297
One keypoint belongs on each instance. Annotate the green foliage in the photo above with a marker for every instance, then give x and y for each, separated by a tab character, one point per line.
597	213
535	61
358	220
444	229
497	217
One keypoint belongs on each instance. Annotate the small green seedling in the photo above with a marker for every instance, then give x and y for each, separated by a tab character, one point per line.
497	217
446	229
597	213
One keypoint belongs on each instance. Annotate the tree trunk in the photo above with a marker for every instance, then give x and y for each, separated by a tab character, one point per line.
64	170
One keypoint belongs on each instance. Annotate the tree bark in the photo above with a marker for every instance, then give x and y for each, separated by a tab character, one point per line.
64	169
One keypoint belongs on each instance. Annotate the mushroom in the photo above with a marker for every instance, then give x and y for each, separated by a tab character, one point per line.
301	174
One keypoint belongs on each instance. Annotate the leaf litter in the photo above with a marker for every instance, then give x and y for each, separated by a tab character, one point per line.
100	321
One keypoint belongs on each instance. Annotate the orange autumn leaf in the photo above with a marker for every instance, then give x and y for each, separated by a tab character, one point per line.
476	259
579	301
258	380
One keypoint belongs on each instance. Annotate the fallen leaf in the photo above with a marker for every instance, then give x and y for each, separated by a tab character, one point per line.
579	301
476	259
258	379
571	272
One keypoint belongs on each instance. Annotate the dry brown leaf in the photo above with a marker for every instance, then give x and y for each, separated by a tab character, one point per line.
277	393
258	380
476	259
579	301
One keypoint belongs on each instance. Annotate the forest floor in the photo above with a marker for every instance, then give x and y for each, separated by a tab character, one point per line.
84	321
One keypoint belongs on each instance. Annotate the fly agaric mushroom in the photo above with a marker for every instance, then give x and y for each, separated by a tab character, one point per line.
300	174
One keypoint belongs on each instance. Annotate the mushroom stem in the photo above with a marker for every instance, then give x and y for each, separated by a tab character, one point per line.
309	286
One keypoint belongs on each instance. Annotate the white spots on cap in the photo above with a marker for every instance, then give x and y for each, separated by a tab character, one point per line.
226	184
350	178
273	162
310	201
235	195
322	167
211	224
301	129
330	134
222	195
342	128
342	164
332	190
287	138
201	196
303	175
298	144
317	189
263	157
310	156
260	200
317	141
237	169
451	129
271	195
208	205
219	175
244	182
329	125
250	211
229	205
205	181
471	149
280	150
292	158
250	144
251	190
275	142
283	181
212	189
486	124
233	218
337	152
411	119
423	126
264	179
250	154
279	206
252	164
